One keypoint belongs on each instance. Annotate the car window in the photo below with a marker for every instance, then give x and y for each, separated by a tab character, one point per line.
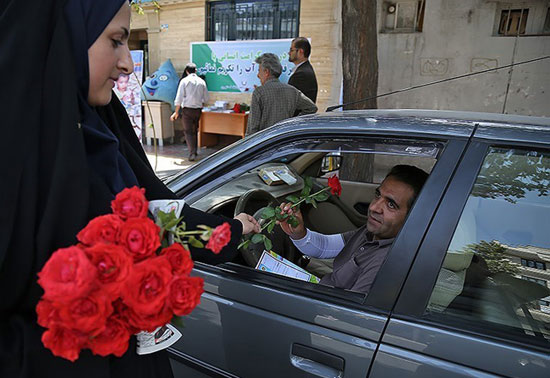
496	275
301	159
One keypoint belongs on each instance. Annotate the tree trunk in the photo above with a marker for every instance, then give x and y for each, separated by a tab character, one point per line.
359	52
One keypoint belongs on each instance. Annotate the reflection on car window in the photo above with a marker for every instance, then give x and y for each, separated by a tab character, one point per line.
495	272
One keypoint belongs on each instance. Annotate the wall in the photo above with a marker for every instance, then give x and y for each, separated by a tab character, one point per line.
180	22
458	36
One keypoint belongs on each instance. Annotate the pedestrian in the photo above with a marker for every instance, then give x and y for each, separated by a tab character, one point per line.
67	153
302	76
191	96
274	101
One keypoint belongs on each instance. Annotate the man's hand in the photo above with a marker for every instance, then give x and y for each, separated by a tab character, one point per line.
297	232
249	223
174	116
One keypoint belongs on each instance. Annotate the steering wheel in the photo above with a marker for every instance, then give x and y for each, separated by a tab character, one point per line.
254	202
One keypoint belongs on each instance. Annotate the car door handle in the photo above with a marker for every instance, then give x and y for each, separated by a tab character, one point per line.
316	362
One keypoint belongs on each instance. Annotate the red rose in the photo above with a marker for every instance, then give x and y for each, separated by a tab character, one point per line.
130	203
113	265
103	229
87	314
149	323
68	274
47	314
220	238
64	342
237	108
179	258
335	186
141	238
185	294
113	340
146	288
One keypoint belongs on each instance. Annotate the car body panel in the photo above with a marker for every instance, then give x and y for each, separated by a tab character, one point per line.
249	323
468	351
242	322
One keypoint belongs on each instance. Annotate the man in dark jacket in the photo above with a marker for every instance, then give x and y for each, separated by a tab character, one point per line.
303	76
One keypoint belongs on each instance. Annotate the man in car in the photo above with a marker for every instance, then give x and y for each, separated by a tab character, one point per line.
359	254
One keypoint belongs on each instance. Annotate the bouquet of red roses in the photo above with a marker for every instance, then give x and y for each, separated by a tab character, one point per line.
122	278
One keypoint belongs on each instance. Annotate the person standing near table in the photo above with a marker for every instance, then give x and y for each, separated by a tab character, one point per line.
191	96
274	101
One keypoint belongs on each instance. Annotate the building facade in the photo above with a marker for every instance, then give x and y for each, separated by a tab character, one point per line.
419	41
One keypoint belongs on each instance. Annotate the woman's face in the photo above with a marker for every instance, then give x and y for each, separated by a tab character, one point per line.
109	57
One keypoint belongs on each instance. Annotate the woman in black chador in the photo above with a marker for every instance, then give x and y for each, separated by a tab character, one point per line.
68	148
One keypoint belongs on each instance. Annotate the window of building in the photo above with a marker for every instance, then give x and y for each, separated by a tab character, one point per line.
513	21
235	20
535	280
479	285
403	16
533	264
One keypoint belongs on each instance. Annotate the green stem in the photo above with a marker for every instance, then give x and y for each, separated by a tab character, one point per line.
309	196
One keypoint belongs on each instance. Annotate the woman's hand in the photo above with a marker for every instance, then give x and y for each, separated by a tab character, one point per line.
174	116
297	232
249	223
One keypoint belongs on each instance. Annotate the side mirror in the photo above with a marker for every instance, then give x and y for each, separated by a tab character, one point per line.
331	162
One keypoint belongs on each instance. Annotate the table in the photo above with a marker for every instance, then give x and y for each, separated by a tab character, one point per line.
213	123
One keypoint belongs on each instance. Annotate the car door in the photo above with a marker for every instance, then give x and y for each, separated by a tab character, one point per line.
476	300
250	323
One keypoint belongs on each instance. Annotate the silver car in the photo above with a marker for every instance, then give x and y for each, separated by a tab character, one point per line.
463	292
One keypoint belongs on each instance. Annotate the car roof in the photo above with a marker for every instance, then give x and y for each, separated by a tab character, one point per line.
440	123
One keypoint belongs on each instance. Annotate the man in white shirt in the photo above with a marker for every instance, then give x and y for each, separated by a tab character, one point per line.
191	96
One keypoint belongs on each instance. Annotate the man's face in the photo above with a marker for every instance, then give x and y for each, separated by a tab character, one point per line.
263	74
388	210
293	53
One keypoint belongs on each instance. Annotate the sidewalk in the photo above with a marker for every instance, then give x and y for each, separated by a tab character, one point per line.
175	156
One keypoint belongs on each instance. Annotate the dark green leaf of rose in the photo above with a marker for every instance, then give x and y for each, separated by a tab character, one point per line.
257	238
292	198
271	227
268	212
267	244
323	196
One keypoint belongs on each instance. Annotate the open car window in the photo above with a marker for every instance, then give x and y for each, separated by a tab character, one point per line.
230	193
496	273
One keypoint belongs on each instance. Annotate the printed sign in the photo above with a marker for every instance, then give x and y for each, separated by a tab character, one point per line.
229	66
127	89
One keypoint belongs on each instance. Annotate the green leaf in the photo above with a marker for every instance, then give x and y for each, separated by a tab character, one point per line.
257	238
267	244
203	227
314	203
281	216
271	227
195	243
293	221
205	235
323	196
268	212
244	244
308	184
292	198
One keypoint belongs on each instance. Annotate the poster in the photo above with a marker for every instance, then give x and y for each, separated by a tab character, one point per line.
229	65
127	89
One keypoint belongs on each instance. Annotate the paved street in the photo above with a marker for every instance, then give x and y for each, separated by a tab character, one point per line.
175	156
